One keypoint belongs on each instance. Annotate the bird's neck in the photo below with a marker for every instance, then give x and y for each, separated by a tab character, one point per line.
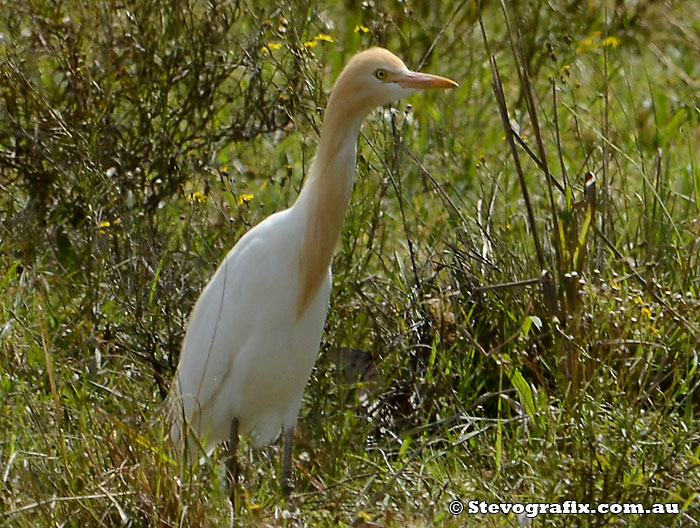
326	196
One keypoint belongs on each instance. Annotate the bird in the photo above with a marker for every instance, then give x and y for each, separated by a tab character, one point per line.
253	336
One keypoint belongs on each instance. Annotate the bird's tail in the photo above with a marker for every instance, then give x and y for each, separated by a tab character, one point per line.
184	438
176	418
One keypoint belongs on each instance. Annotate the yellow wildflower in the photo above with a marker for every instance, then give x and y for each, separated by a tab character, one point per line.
197	197
364	516
271	46
361	29
254	507
611	41
104	225
638	300
323	37
595	41
244	198
586	45
646	311
309	44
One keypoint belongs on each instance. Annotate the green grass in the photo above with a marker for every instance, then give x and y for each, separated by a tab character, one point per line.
137	144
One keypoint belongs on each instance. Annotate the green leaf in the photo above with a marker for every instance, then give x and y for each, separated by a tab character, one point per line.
526	393
404	446
527	324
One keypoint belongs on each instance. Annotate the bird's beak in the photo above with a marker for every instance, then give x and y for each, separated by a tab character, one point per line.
420	81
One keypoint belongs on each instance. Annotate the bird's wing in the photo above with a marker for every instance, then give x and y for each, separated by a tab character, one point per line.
229	310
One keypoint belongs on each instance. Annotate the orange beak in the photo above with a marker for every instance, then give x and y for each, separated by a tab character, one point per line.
420	81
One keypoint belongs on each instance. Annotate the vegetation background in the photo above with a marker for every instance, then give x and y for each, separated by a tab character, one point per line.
140	139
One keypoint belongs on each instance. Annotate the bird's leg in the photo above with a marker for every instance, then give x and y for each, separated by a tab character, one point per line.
232	463
287	461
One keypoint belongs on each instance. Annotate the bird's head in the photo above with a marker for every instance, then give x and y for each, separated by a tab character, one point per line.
376	77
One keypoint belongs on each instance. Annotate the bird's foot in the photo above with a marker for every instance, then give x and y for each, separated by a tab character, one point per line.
287	489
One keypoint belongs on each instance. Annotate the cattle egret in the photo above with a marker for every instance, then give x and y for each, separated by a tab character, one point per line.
254	333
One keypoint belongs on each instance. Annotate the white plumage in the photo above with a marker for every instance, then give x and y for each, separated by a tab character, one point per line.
254	333
243	355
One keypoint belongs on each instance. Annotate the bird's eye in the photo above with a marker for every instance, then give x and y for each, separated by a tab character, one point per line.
380	74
